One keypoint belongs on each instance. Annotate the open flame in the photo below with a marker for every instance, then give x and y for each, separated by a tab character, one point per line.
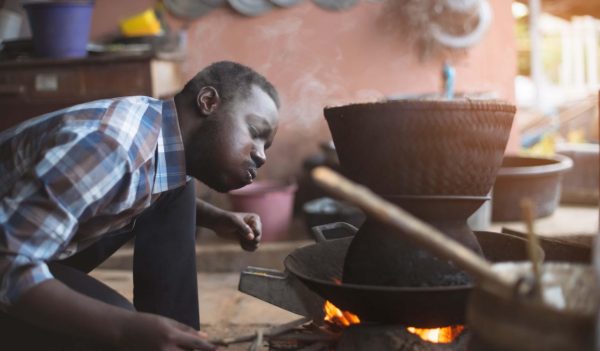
338	317
444	335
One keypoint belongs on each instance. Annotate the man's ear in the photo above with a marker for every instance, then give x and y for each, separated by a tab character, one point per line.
208	100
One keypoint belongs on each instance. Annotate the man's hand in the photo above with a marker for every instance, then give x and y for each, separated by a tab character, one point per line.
148	332
244	227
53	306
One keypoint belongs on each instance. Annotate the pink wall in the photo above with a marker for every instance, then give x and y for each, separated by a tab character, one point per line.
317	58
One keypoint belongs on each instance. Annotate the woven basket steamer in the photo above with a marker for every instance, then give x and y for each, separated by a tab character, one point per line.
422	147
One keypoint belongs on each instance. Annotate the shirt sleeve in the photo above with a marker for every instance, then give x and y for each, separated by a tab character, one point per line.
78	175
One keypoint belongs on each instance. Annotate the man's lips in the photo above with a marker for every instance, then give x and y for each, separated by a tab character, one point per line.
252	173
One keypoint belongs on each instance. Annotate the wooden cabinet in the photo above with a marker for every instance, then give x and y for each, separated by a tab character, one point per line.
34	87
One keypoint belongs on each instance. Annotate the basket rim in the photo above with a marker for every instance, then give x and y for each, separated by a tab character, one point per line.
424	104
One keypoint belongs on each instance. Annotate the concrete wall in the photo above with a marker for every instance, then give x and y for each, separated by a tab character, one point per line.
317	58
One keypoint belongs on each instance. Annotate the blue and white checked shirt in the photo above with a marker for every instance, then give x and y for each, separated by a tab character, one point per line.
70	176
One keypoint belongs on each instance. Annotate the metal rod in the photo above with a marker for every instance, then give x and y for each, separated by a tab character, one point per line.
414	230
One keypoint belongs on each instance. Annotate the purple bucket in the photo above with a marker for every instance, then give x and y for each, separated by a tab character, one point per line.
60	29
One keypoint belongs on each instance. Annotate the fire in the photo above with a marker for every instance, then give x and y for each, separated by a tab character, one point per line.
443	335
336	316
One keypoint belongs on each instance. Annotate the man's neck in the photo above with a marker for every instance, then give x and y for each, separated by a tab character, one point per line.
184	113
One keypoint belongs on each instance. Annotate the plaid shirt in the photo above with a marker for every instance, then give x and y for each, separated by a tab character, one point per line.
71	176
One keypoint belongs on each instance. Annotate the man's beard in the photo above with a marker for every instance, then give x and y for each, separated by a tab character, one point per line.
204	167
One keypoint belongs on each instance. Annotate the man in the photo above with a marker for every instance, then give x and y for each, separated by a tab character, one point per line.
77	184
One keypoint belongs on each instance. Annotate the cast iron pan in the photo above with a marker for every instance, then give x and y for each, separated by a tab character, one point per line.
285	3
188	9
251	7
319	267
335	5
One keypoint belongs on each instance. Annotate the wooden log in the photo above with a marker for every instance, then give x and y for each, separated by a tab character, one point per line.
274	331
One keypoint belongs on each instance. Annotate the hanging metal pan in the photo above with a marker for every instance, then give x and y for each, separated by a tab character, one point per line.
285	3
335	5
214	3
251	8
190	9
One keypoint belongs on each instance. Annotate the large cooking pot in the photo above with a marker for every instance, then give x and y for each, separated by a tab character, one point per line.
319	266
398	262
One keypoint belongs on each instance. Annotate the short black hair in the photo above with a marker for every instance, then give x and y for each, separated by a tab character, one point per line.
230	79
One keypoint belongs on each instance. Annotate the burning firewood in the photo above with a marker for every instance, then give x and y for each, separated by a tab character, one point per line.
266	333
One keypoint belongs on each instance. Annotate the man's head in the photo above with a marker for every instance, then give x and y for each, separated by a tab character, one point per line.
229	116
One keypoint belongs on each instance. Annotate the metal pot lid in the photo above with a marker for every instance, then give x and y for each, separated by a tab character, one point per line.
335	5
189	9
251	7
285	3
214	3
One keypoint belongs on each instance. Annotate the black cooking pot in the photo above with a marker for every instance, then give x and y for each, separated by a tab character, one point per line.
319	266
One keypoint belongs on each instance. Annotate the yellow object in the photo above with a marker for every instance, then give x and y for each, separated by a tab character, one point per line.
544	148
576	136
142	24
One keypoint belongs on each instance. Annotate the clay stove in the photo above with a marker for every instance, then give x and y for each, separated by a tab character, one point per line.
320	266
437	160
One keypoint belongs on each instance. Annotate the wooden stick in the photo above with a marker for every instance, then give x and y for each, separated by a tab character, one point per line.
306	337
280	329
319	346
533	243
273	331
233	340
415	230
258	340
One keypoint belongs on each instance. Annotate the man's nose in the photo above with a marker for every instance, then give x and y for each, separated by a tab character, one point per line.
258	156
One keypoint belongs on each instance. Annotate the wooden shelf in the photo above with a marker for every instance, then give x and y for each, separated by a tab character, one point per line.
32	87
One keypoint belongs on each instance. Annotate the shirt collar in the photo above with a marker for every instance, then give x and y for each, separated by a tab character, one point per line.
170	157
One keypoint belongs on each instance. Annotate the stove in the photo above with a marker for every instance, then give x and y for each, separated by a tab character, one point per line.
327	327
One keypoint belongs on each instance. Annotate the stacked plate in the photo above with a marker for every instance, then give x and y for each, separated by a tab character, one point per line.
192	9
258	7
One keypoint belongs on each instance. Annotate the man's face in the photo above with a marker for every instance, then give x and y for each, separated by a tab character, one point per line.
227	150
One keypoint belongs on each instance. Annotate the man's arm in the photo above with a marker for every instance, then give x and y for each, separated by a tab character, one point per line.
70	184
52	305
245	227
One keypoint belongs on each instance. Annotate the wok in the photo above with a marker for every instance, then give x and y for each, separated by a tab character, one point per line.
319	266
